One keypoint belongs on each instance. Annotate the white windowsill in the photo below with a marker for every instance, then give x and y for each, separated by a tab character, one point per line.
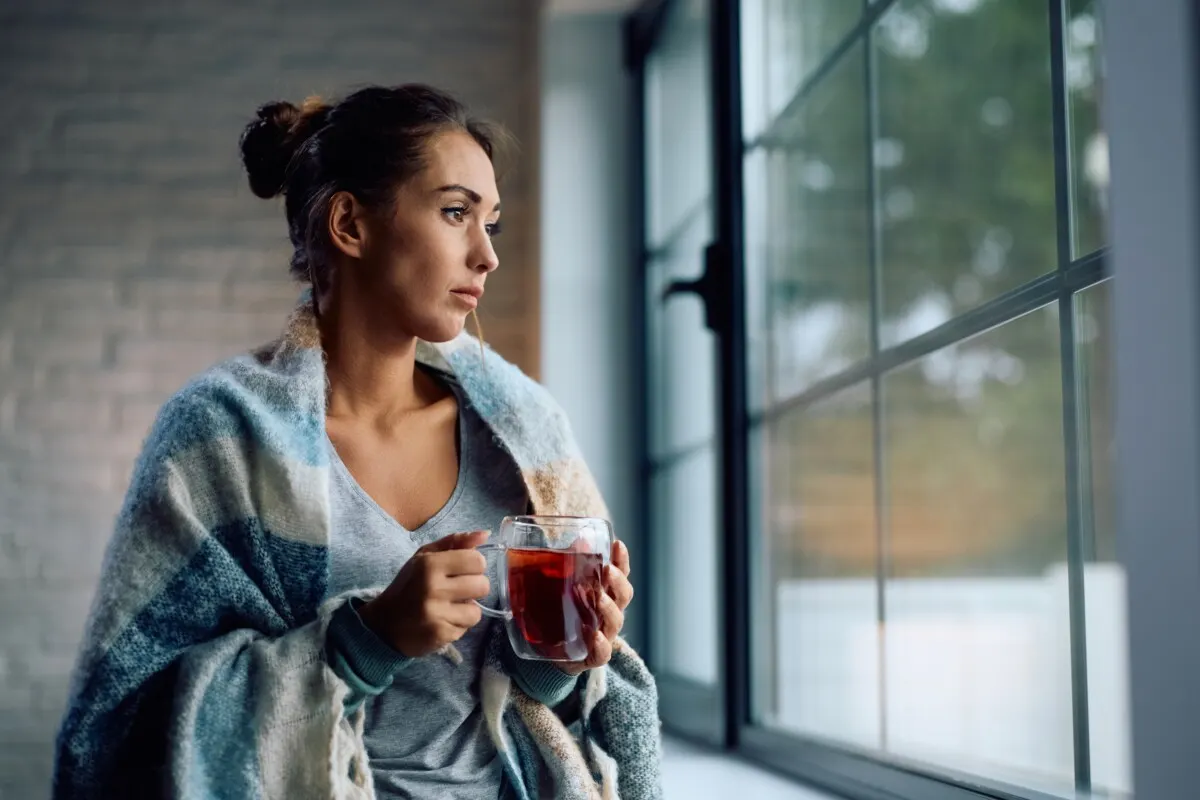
693	773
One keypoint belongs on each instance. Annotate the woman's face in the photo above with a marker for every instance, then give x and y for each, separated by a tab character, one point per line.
424	263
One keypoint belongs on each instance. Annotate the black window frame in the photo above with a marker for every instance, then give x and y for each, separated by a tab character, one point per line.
723	718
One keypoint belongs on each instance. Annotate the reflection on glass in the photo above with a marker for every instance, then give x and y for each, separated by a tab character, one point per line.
816	609
808	224
1104	577
678	122
977	642
1084	76
682	351
684	503
783	42
1094	340
761	196
964	158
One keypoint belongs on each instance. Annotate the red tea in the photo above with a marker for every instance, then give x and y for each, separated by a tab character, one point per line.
555	597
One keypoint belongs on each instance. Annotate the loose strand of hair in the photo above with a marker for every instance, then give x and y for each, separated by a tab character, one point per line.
479	335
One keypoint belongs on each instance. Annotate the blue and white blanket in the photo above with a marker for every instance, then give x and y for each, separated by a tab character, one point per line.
202	673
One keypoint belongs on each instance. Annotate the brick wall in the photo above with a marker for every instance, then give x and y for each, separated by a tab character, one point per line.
132	254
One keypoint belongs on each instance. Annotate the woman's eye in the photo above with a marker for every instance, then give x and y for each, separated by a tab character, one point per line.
456	214
493	229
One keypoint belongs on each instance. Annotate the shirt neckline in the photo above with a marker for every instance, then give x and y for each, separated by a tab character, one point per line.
464	447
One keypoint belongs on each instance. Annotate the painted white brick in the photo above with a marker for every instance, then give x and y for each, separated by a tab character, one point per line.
223	325
61	349
173	358
96	321
270	296
217	260
159	292
26	726
114	446
111	260
130	382
79	292
17	565
69	557
25	770
136	417
65	415
20	318
58	621
64	475
8	419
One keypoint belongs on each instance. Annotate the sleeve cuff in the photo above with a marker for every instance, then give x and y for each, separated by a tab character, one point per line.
361	658
542	681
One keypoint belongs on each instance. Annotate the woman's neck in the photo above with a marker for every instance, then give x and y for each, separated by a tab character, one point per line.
373	375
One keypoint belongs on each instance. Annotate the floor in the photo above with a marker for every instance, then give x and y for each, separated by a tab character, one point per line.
691	773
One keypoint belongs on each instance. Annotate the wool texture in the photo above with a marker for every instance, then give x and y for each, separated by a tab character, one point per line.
202	673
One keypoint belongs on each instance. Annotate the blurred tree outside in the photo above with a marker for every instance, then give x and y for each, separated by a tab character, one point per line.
964	211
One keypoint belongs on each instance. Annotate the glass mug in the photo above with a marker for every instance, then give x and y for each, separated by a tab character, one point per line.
550	580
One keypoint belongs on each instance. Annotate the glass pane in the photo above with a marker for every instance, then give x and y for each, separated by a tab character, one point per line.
682	356
1084	75
678	122
684	500
808	238
965	157
783	42
816	600
1104	577
760	198
977	650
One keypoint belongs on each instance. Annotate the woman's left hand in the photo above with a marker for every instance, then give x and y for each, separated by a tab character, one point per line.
618	592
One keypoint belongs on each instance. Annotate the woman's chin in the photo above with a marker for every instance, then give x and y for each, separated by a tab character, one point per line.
443	330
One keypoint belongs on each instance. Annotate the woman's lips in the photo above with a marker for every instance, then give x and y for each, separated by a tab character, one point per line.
468	299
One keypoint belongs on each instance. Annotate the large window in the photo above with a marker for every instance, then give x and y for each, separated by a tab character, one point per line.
931	587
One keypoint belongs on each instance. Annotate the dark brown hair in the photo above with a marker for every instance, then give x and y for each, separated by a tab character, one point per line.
367	144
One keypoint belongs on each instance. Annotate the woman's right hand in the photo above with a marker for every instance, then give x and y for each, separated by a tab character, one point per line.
430	603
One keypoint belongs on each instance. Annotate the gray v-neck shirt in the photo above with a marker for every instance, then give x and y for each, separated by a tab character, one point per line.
426	735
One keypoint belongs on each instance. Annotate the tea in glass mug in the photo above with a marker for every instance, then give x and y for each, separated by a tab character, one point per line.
550	582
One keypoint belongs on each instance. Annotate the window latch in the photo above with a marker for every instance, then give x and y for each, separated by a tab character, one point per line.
710	287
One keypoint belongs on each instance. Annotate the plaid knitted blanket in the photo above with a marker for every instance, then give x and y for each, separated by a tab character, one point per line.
202	672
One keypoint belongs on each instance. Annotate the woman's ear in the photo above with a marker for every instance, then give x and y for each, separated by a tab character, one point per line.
347	225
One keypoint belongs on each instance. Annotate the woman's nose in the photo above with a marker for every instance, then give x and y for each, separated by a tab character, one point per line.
485	257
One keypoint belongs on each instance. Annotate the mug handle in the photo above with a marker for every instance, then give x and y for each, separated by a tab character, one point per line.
497	613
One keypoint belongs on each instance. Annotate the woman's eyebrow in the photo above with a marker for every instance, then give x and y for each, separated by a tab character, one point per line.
473	195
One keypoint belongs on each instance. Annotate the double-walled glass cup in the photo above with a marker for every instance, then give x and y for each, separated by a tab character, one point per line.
550	579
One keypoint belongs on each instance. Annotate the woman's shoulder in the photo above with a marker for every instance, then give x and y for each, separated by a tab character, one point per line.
244	398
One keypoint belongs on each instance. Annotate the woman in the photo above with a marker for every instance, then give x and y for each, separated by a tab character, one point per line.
237	647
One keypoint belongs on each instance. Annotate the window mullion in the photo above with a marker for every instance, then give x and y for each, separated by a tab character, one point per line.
1066	308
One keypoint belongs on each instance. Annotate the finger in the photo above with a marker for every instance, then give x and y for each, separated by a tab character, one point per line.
462	615
619	588
448	633
457	541
453	563
620	557
464	587
599	651
612	619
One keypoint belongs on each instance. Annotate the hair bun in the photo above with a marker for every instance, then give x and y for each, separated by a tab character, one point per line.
268	145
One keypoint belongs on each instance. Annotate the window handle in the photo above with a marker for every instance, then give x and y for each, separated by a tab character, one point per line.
709	287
